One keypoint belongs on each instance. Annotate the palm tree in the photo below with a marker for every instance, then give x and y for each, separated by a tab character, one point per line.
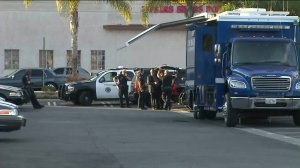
69	8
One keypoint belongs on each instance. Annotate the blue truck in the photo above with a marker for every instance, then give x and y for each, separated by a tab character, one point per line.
244	63
241	63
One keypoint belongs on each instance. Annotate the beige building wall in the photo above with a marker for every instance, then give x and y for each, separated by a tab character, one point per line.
24	29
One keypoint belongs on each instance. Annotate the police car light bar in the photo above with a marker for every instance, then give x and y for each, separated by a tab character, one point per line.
261	27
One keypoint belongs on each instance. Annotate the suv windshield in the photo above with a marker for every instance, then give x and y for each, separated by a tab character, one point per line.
11	74
97	76
264	52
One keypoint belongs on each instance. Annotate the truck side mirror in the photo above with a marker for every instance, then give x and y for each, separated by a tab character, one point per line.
217	49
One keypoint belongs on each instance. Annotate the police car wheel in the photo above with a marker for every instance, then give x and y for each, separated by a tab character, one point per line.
85	98
296	118
230	115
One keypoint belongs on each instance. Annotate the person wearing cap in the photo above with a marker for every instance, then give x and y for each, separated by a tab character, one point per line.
151	82
142	90
123	87
167	90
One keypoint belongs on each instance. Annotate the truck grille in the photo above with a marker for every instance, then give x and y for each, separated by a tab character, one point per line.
273	84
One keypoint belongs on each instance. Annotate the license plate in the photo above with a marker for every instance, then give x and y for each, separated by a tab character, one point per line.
270	101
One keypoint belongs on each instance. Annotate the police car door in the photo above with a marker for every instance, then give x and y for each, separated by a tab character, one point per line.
106	88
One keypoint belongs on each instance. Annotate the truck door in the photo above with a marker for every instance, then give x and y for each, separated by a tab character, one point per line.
205	68
106	88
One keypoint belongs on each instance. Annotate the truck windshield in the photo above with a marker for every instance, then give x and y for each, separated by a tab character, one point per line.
264	52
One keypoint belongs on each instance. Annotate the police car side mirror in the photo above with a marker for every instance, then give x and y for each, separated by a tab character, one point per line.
101	80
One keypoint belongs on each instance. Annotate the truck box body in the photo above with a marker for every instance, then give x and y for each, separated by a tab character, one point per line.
248	55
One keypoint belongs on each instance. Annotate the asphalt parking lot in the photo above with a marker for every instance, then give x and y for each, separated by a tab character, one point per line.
277	128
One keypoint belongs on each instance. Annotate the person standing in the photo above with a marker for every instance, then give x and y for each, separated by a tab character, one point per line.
167	90
151	82
29	91
159	101
142	90
123	87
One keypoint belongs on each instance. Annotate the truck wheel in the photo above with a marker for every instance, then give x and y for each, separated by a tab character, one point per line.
296	118
85	98
211	115
199	113
230	115
202	113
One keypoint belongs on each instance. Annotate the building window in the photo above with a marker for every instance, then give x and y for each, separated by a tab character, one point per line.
69	58
11	59
46	59
97	59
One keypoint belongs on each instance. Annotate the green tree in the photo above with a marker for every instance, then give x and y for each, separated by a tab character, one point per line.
151	4
69	8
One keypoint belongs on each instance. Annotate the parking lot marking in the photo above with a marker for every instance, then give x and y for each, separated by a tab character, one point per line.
54	103
49	104
275	136
287	132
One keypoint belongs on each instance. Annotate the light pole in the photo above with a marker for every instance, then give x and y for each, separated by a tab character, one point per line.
43	55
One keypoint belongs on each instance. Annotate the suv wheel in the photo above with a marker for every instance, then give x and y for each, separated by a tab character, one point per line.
85	98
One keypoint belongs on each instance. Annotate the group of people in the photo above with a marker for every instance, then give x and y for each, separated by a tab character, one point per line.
157	84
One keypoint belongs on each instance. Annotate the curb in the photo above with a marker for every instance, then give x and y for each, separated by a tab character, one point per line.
46	95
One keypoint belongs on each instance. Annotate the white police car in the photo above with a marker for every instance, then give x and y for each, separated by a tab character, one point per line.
100	87
10	119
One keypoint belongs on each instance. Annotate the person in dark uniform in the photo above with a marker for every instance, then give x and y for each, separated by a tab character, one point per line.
151	82
159	101
123	87
167	90
142	90
29	91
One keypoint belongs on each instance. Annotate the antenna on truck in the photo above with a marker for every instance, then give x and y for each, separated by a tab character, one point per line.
194	19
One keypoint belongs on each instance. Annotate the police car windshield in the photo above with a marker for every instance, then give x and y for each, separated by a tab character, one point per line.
97	76
264	52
